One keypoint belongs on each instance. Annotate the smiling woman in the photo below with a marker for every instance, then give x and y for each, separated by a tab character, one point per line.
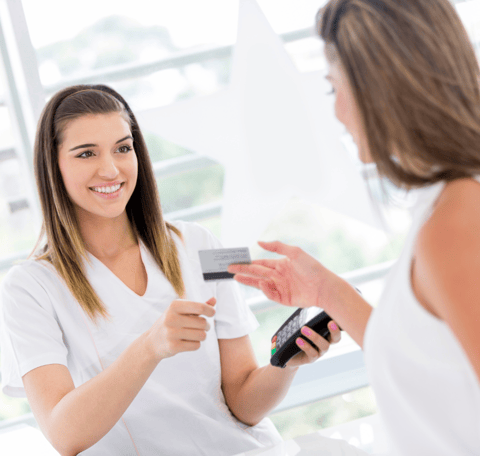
93	148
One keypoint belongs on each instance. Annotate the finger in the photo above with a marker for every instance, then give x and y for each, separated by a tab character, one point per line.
266	286
268	263
192	335
335	334
321	343
192	322
280	248
212	301
185	307
247	280
311	352
185	345
254	270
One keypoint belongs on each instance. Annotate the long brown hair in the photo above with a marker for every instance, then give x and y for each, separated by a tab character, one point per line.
64	246
415	80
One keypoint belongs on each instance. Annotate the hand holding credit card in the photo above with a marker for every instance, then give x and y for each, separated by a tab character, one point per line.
215	262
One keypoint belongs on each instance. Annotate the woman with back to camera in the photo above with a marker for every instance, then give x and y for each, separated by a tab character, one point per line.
406	83
111	331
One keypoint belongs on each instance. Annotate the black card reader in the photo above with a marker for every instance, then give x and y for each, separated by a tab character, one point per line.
284	346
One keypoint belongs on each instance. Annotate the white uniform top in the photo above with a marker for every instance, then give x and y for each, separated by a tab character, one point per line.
181	409
426	389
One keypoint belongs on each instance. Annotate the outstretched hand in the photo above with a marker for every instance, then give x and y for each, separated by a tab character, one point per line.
296	280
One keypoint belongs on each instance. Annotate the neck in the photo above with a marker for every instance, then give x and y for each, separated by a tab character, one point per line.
107	237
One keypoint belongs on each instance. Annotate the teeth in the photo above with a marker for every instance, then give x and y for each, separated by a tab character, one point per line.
111	189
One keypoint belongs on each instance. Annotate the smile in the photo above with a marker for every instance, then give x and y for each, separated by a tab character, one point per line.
107	190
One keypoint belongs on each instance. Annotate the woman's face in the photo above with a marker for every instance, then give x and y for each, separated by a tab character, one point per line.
98	164
346	109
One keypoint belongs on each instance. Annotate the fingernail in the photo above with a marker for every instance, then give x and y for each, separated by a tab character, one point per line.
306	331
333	326
300	342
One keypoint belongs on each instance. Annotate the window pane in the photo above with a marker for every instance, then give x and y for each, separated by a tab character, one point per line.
161	149
469	12
16	228
6	134
102	34
341	243
326	413
307	54
11	407
191	188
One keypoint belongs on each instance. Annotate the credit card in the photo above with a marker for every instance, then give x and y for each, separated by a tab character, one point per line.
216	261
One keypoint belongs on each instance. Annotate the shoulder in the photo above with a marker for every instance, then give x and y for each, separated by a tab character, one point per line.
26	271
30	278
196	236
455	220
447	250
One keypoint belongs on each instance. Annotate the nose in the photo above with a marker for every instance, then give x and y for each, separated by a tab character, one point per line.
107	168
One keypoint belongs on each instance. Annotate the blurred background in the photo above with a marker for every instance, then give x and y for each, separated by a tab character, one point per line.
156	54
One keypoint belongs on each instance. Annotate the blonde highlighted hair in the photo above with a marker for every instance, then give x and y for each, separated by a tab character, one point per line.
415	79
64	246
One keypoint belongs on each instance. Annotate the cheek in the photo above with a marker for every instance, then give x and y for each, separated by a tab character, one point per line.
342	111
74	176
66	173
346	113
133	167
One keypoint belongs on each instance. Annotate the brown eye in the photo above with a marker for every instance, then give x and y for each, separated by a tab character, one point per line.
124	149
86	154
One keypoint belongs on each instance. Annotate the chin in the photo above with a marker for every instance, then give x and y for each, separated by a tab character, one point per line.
365	160
88	213
364	156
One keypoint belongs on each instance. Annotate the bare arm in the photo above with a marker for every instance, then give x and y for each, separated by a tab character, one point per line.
351	311
74	419
447	265
239	372
251	392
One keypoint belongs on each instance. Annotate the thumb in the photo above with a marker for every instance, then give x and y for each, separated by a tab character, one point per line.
212	301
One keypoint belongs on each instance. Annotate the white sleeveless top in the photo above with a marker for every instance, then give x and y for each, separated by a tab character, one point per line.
427	392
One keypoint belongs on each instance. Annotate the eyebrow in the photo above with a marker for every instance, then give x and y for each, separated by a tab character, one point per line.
83	146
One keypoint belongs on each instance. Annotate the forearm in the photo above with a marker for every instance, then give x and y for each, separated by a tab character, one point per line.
348	308
84	415
261	392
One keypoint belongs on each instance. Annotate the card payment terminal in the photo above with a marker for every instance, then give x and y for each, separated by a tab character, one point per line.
284	346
